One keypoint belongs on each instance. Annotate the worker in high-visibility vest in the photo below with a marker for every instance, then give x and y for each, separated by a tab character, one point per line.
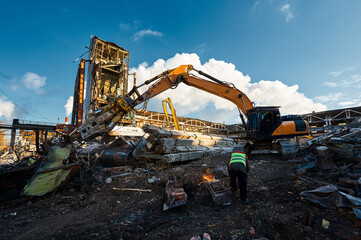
238	167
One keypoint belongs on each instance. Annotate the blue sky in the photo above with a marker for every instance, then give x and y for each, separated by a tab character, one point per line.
314	44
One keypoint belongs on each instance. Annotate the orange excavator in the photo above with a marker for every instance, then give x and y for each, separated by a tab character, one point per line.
265	128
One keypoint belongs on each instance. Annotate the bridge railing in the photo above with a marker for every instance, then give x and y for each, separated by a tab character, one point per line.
37	123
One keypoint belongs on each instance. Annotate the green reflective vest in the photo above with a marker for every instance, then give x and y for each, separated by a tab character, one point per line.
238	158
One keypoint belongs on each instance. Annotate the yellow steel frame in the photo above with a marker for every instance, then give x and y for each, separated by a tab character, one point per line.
174	115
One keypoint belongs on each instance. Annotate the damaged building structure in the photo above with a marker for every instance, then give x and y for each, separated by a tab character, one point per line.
108	77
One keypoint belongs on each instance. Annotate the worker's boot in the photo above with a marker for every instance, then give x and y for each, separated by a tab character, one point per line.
245	202
234	194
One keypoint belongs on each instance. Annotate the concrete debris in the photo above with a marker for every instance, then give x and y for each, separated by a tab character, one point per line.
334	164
110	179
128	176
177	146
308	162
153	179
90	149
325	224
127	131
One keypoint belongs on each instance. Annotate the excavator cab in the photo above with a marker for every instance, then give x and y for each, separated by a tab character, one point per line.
262	122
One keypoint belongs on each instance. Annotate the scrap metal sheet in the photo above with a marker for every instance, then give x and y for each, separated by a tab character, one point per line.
44	182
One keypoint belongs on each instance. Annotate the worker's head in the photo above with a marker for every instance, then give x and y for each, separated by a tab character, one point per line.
237	148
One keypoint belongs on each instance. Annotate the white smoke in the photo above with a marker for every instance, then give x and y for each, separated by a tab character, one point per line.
69	106
189	100
6	109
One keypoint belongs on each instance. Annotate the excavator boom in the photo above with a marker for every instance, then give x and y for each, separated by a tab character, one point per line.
264	123
171	79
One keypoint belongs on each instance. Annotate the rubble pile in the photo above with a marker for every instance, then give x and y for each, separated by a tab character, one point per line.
332	169
7	157
347	141
177	146
102	189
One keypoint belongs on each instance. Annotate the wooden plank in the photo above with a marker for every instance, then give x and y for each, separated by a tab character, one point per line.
133	189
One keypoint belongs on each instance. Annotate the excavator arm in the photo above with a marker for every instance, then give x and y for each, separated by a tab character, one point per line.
103	120
171	79
265	124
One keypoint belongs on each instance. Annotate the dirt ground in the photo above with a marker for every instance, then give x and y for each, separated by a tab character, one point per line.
98	211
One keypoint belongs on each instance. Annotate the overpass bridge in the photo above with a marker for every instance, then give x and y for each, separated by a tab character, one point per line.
37	127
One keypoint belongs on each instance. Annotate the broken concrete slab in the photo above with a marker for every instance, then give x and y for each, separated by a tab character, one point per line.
127	131
181	157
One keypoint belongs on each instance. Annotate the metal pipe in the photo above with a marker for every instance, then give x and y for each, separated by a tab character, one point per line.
210	77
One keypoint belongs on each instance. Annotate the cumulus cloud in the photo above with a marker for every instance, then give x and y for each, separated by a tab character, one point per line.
6	108
69	105
190	100
34	81
140	34
287	11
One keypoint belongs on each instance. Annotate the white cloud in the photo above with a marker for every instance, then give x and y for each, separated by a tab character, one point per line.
140	34
34	81
353	82
286	10
330	84
69	105
255	6
350	103
191	100
336	73
332	97
7	109
288	97
124	26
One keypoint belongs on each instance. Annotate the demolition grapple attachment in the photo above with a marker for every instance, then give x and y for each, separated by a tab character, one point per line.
104	119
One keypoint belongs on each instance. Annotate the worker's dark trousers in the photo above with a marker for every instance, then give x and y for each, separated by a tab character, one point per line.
242	182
